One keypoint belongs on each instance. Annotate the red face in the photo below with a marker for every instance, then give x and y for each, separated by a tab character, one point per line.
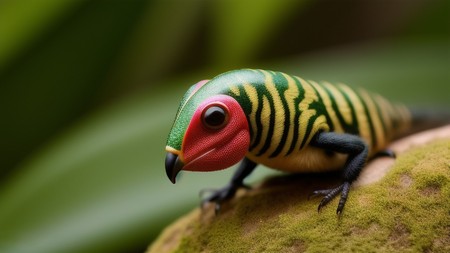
217	136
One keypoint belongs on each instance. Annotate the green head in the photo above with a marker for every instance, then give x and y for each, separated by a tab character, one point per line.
210	131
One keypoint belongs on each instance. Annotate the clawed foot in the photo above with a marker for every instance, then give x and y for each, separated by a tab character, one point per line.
219	195
331	194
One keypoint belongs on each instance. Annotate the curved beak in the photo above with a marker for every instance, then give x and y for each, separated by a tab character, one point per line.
173	166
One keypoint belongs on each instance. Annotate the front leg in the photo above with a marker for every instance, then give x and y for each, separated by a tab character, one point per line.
357	151
218	196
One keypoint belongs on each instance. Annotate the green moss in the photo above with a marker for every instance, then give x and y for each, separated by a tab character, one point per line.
406	211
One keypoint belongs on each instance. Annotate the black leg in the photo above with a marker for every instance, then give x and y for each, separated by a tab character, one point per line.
357	151
218	196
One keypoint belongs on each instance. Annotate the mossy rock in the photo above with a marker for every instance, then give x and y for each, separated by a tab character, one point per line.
408	210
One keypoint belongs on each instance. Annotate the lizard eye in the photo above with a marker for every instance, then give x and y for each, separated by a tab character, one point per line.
215	117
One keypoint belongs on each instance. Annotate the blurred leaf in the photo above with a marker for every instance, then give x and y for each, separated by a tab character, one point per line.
102	186
66	199
59	77
166	28
23	21
241	27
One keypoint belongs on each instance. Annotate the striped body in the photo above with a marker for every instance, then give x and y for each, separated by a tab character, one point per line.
285	112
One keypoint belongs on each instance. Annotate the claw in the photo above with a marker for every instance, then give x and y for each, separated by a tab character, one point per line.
330	194
218	196
320	207
343	199
323	202
319	193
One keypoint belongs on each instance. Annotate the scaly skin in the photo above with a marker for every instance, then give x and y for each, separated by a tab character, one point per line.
283	122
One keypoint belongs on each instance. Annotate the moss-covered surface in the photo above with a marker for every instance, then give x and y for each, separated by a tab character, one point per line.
406	211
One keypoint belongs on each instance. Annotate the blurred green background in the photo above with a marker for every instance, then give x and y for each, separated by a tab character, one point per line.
89	89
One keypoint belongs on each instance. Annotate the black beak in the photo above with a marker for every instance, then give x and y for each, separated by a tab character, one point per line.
173	166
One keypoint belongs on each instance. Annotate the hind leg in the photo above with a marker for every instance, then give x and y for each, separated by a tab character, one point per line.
357	151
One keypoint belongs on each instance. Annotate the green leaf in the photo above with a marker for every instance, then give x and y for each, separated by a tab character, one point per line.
99	181
23	21
165	30
242	27
60	76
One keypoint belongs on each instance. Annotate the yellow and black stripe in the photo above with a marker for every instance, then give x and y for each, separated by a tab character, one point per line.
284	113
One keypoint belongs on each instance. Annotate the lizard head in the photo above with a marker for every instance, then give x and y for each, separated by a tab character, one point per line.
210	132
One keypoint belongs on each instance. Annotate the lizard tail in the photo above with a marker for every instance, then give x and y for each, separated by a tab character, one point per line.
423	118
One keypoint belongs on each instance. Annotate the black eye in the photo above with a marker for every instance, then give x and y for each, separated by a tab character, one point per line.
215	117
